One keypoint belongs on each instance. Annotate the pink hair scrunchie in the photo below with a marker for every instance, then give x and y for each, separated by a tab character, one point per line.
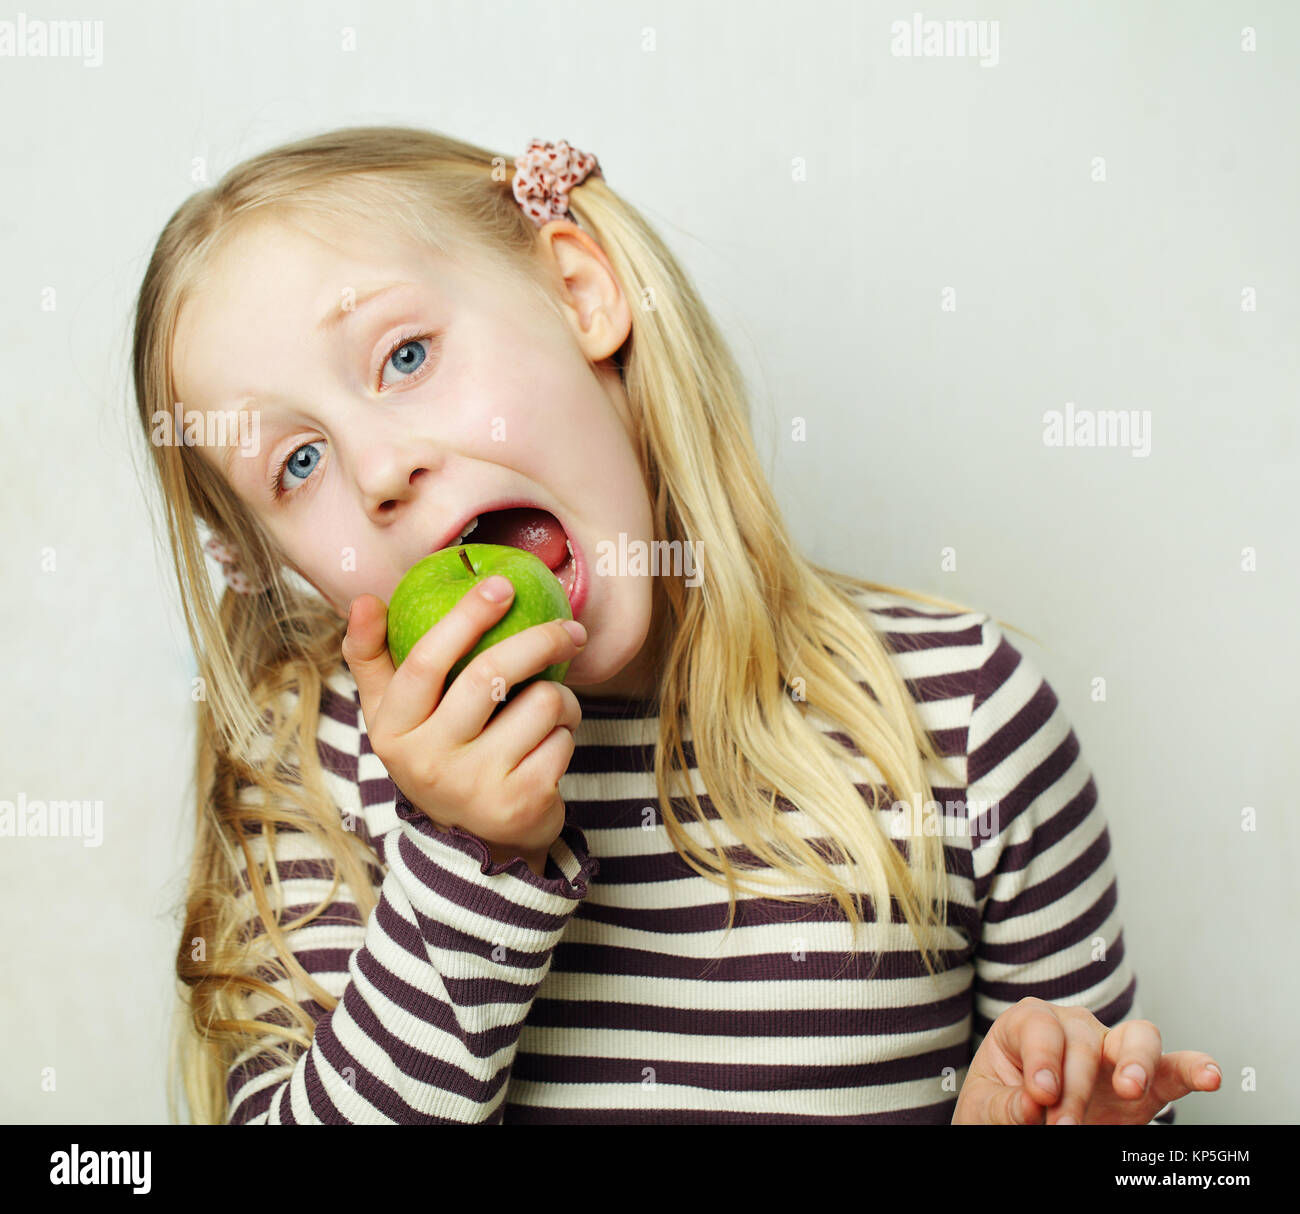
227	556
545	174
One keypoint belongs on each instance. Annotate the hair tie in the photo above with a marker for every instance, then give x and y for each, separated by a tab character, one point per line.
227	556
545	174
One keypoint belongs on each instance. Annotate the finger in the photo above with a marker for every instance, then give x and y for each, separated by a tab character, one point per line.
1206	1071
1084	1034
1014	1105
1022	1108
548	760
365	650
529	719
417	687
986	1101
1133	1048
1184	1071
484	683
1034	1039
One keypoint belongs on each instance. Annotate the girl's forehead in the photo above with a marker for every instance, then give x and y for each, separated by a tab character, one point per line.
273	273
313	248
289	239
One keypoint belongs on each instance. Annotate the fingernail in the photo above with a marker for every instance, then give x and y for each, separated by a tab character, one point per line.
575	629
497	589
1066	1120
1136	1073
1209	1066
1045	1079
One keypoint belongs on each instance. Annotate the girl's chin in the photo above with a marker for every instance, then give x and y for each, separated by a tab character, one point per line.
583	675
618	682
587	676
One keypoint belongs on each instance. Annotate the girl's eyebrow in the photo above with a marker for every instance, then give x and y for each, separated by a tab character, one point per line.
328	324
336	316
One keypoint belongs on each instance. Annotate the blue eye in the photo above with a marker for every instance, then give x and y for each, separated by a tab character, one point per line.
407	356
300	468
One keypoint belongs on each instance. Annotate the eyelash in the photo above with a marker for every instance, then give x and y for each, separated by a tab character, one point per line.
403	339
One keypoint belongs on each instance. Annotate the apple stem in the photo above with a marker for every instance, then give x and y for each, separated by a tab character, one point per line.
473	572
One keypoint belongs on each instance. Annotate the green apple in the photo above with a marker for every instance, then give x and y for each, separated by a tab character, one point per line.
436	583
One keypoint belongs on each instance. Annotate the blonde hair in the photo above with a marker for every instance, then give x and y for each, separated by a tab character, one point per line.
763	618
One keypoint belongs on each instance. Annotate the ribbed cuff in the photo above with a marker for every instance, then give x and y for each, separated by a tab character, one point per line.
574	871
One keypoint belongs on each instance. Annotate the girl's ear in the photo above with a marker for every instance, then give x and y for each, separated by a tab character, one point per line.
590	294
619	357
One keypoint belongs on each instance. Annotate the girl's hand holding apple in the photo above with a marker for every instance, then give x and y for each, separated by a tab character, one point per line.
500	782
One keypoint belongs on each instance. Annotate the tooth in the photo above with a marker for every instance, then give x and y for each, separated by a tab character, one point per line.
569	546
472	524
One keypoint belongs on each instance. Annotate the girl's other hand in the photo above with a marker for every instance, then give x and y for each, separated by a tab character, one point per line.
501	782
1005	1084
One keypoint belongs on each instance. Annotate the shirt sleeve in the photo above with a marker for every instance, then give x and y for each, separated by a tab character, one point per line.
1045	884
432	991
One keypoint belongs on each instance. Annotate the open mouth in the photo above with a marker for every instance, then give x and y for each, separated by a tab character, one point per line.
537	531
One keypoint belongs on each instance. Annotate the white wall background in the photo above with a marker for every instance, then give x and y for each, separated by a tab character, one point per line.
924	425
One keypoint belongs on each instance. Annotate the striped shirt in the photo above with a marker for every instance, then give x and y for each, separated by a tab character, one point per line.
608	991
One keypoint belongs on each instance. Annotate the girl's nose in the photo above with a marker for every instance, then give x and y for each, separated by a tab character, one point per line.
389	474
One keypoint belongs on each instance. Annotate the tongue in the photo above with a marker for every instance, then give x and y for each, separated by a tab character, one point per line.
536	531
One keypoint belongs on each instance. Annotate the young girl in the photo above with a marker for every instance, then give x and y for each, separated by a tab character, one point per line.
411	904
